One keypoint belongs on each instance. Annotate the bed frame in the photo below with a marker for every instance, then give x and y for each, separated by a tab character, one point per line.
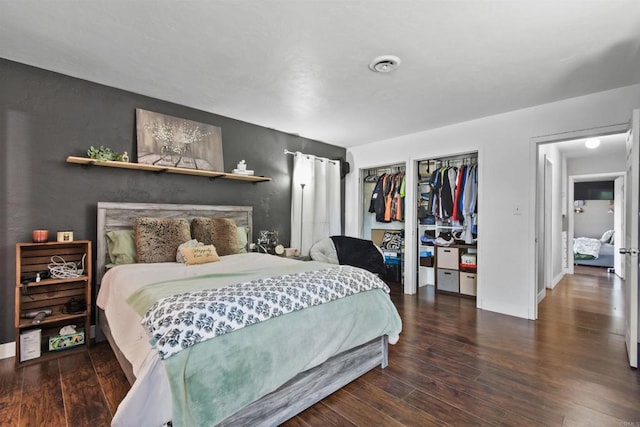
303	390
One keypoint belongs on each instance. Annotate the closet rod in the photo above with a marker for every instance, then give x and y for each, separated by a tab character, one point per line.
333	162
464	161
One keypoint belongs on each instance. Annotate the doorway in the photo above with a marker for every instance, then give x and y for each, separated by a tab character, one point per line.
558	158
597	213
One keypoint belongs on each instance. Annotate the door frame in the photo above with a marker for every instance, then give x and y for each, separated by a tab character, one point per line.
547	232
534	231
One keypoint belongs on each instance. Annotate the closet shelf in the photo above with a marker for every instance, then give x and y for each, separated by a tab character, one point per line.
441	227
169	169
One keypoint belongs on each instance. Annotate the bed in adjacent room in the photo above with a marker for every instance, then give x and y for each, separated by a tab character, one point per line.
244	339
594	252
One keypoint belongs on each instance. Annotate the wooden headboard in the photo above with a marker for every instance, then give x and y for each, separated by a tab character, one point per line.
120	216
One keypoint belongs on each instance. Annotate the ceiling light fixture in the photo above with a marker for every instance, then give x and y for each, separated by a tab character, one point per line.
384	64
592	143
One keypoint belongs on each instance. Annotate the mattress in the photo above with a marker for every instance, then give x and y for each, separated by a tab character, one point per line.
604	259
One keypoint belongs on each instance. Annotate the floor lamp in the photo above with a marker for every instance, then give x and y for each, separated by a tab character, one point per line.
303	177
301	213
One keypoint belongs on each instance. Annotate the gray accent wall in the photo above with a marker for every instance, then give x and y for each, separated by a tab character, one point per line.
46	117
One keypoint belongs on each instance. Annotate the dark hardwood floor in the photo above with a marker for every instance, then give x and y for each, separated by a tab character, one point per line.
454	365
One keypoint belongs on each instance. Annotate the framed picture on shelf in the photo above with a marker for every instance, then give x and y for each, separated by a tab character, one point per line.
171	141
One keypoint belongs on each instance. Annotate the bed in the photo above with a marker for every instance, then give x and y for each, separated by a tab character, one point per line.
594	252
262	374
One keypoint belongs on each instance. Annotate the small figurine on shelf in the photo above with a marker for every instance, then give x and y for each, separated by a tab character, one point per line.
125	157
241	169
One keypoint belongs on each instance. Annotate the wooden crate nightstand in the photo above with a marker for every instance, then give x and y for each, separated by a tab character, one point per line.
51	295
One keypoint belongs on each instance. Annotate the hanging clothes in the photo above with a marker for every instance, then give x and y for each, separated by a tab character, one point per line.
377	204
396	198
453	193
387	199
403	193
469	203
389	189
434	200
460	183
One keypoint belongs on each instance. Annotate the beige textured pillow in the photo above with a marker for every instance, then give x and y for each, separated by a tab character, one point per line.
220	232
157	239
199	254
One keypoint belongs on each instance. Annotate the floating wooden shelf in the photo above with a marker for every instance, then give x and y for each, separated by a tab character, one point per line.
168	169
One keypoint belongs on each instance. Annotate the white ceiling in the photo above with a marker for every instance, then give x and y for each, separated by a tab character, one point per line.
609	144
301	66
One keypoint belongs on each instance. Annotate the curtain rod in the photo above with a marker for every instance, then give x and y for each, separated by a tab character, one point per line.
317	157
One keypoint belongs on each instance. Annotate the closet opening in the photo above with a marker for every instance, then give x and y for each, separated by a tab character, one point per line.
383	190
447	228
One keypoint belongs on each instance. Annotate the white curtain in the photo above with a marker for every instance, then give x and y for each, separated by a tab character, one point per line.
315	207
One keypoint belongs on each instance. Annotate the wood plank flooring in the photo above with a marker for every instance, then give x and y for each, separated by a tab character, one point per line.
454	365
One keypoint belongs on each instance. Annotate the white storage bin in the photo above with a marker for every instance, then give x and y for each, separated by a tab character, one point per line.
447	258
468	284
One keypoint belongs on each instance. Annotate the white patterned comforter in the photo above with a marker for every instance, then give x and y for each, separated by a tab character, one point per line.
587	246
183	320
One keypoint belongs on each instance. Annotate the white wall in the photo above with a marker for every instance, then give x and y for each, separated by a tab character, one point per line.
506	243
613	162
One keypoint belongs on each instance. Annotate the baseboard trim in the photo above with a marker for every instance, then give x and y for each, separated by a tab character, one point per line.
7	350
556	280
541	295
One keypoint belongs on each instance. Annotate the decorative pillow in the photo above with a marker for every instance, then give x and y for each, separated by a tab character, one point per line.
190	244
606	236
121	247
220	232
243	240
392	240
324	250
199	254
157	239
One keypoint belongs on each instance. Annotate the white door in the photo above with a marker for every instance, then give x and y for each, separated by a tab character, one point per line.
631	240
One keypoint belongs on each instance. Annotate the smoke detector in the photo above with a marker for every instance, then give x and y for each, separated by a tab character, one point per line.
384	64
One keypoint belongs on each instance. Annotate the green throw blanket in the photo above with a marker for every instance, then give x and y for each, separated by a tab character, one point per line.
216	378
